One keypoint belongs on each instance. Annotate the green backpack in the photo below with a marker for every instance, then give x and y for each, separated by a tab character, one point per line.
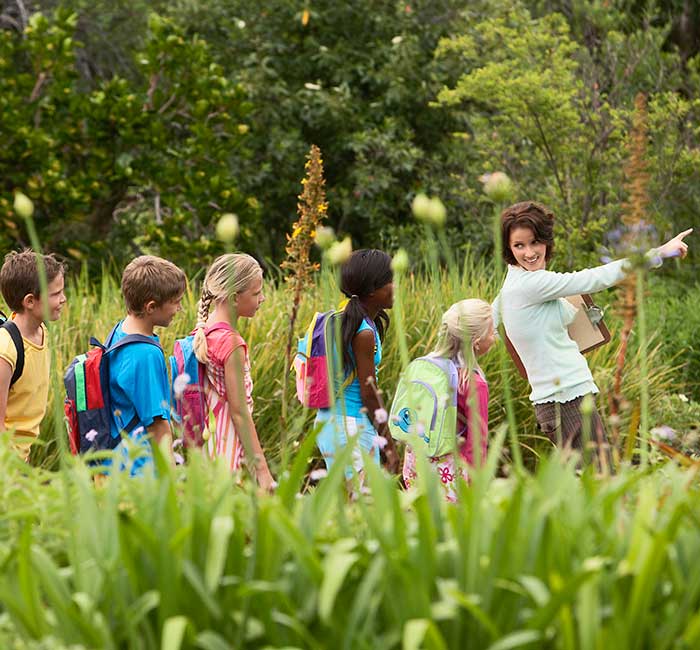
424	411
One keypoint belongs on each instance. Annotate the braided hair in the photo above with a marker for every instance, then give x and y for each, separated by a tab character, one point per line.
366	271
228	275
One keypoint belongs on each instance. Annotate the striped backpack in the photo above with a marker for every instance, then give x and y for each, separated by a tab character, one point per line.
88	415
315	364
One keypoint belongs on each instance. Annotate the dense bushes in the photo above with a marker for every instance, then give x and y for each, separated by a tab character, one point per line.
138	130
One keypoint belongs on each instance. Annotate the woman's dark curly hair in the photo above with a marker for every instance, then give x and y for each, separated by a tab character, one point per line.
532	215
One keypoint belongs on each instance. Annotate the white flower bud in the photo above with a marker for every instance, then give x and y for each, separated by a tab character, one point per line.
339	252
227	229
325	236
421	207
23	205
498	187
400	262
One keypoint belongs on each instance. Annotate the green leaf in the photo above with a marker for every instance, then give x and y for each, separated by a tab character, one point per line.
209	640
419	633
221	529
173	633
517	640
336	566
536	588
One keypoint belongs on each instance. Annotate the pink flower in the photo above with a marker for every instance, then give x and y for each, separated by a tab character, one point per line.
180	383
664	432
91	435
381	416
318	474
379	441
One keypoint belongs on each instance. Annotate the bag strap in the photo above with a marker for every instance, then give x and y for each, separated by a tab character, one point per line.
16	337
126	340
132	338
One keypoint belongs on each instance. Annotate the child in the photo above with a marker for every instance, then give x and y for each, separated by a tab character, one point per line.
367	281
466	333
234	285
23	402
138	379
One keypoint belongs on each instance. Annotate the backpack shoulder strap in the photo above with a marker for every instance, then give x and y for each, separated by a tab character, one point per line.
16	337
132	338
94	342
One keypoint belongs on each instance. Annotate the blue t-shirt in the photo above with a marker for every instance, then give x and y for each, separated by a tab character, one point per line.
138	386
352	399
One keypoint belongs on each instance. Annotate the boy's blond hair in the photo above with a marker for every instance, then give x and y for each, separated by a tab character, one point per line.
147	278
228	275
19	276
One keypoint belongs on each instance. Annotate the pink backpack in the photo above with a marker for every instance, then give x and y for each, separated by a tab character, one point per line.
316	365
189	406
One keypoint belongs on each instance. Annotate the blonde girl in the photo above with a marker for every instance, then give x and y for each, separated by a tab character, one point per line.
466	333
232	288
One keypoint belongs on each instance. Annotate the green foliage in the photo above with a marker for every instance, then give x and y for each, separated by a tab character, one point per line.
191	561
356	79
540	89
674	316
555	115
119	165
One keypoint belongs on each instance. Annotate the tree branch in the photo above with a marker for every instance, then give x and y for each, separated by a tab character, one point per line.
548	153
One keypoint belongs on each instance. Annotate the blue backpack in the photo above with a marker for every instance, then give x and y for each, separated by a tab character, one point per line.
189	405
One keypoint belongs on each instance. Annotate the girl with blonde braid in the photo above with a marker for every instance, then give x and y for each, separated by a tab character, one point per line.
232	288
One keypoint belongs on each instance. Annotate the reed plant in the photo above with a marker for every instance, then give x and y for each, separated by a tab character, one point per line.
548	559
94	305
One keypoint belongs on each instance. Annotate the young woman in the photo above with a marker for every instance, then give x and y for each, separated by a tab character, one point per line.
366	281
535	315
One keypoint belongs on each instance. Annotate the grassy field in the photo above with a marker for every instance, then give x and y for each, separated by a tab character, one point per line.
94	307
544	557
544	560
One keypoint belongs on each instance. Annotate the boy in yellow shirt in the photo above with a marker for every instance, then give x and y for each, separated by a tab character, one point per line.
24	388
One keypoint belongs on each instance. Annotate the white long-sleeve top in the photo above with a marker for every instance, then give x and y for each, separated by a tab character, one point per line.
535	315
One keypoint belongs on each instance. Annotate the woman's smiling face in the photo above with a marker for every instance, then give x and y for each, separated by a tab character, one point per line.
529	252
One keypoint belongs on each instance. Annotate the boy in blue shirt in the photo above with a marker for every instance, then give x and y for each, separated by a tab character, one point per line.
138	379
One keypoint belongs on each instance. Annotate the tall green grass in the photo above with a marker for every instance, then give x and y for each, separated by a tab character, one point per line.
94	306
543	560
